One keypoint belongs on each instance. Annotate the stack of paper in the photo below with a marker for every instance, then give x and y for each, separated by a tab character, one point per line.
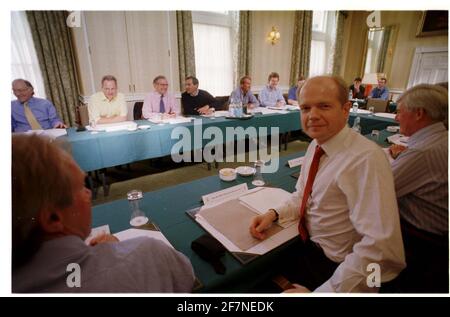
170	120
117	126
398	139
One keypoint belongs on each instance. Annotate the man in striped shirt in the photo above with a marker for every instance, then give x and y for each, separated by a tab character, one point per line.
421	183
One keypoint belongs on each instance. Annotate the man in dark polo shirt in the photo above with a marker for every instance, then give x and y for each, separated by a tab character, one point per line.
196	101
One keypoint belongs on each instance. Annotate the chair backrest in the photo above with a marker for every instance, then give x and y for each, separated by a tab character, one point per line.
82	115
222	102
137	110
380	105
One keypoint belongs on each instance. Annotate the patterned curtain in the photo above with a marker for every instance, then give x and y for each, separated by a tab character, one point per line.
53	42
338	41
186	52
244	44
301	46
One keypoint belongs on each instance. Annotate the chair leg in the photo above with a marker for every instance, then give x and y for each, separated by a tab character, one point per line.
91	185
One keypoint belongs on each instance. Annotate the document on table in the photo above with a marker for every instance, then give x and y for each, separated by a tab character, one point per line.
228	221
111	127
51	133
399	139
296	162
265	110
133	233
171	120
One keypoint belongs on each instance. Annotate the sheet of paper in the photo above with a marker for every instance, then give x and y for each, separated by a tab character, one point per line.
385	115
362	111
96	232
398	139
296	162
171	120
262	247
232	220
222	195
285	107
261	201
133	233
111	127
265	110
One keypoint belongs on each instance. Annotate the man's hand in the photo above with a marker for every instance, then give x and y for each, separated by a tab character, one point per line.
203	110
396	149
102	238
261	223
297	289
60	126
279	104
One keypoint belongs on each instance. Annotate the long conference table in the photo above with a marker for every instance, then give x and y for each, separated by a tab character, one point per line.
167	208
106	149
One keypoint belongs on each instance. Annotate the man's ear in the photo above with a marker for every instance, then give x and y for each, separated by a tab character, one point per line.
50	221
420	114
347	106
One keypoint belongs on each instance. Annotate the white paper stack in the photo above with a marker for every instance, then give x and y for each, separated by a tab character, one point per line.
117	126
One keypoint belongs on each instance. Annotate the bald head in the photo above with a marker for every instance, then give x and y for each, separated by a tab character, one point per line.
330	84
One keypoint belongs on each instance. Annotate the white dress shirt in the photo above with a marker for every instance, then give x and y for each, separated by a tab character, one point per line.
352	212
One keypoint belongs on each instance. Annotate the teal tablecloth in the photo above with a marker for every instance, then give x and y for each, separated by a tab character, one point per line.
371	122
96	151
167	208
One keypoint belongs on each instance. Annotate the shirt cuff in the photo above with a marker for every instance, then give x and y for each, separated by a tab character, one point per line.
325	288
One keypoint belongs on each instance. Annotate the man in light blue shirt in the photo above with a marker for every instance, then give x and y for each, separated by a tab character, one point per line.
381	91
243	93
271	95
44	111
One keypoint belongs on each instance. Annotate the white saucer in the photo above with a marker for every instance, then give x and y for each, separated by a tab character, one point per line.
143	127
245	170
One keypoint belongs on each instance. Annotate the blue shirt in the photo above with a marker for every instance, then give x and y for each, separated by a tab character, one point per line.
380	93
42	109
245	99
292	94
269	97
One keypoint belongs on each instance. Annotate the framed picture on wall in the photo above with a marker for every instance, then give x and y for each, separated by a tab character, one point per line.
433	23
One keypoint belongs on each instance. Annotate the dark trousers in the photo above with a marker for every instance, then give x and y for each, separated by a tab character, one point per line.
307	265
427	260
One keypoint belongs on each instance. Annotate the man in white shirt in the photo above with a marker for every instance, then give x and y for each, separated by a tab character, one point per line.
351	224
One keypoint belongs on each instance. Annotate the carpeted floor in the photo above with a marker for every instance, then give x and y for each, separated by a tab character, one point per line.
155	174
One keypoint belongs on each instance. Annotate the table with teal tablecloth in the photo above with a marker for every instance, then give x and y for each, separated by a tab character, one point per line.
106	149
371	122
167	208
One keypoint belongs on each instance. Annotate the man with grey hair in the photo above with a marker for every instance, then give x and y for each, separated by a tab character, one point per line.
29	112
421	183
51	218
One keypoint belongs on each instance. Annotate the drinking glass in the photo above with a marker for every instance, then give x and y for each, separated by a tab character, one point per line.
138	217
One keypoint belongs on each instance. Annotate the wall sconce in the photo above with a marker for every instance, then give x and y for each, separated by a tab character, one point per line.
273	36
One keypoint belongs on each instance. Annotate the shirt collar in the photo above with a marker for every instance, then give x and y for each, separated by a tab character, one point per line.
270	88
194	94
104	98
425	132
335	143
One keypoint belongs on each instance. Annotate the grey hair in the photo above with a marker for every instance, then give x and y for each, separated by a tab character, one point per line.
432	99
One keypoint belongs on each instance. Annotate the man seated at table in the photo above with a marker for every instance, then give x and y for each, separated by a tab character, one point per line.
159	101
51	218
292	94
421	182
348	216
243	93
108	105
271	95
380	91
357	89
196	101
29	112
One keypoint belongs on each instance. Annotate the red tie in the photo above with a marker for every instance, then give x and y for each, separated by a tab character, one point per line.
307	192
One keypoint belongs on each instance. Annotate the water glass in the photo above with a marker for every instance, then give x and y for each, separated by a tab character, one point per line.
375	135
258	179
138	217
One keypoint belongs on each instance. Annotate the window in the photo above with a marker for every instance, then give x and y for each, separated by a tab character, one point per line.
24	62
323	35
213	42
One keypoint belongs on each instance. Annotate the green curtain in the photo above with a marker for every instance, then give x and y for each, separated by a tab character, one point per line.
338	43
53	42
186	52
244	43
301	46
